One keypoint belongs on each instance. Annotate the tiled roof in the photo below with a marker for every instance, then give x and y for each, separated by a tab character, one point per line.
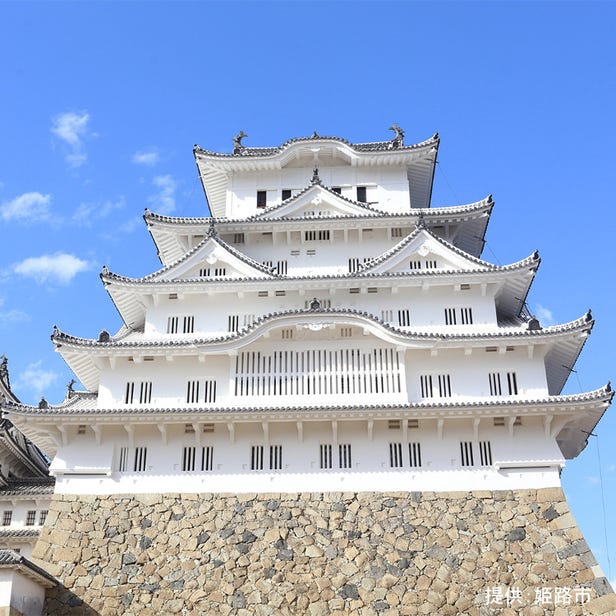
584	323
427	213
29	487
604	394
19	533
376	146
9	559
106	274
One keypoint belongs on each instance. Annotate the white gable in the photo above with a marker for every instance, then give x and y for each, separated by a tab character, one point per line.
213	258
421	251
317	201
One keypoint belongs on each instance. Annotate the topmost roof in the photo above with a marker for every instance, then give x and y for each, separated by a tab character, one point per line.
395	144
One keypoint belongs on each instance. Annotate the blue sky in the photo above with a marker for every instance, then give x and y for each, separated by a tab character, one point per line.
101	104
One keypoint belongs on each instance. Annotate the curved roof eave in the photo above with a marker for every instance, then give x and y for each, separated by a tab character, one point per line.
603	395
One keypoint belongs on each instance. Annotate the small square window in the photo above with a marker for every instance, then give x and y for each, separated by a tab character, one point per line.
261	198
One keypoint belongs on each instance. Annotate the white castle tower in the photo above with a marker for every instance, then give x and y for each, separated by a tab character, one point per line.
325	330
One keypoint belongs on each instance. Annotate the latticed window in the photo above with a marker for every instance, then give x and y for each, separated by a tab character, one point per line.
415	454
344	455
138	392
395	455
466	453
141	454
7	517
485	453
256	458
435	385
318	371
325	456
43	516
31	518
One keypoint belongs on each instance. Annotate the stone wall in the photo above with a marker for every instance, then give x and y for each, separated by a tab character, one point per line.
317	554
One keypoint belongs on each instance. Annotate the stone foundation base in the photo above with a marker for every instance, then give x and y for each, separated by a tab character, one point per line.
319	554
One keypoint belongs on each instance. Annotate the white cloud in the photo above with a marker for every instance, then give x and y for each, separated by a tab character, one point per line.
164	200
545	315
72	128
13	316
31	206
593	480
59	267
146	157
87	213
35	378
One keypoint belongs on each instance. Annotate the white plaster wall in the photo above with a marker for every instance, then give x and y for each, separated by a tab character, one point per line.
26	595
388	187
526	448
20	508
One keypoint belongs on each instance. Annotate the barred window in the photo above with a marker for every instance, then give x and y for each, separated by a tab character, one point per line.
344	455
256	458
415	454
466	453
325	456
31	518
141	454
395	455
7	517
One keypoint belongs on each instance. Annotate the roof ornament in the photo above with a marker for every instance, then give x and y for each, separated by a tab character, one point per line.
43	404
398	140
588	316
4	369
69	388
421	223
238	148
533	324
315	176
315	304
103	336
315	135
212	230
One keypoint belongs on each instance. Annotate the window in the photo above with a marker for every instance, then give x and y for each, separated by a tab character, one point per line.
275	462
325	456
206	272
7	517
31	518
325	303
286	334
346	332
387	316
466	315
207	458
510	380
140	459
395	455
209	391
397	232
337	190
344	455
286	194
450	316
261	198
361	194
42	517
144	392
238	238
437	385
187	324
123	460
188	458
485	453
393	424
404	317
172	325
192	392
415	455
415	265
81	429
256	458
234	322
356	263
466	453
323	234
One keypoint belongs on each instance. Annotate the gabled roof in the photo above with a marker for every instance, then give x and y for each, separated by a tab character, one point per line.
15	444
131	295
419	159
570	417
564	341
173	236
211	251
9	559
318	196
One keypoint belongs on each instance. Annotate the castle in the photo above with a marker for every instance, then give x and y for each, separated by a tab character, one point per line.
325	401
